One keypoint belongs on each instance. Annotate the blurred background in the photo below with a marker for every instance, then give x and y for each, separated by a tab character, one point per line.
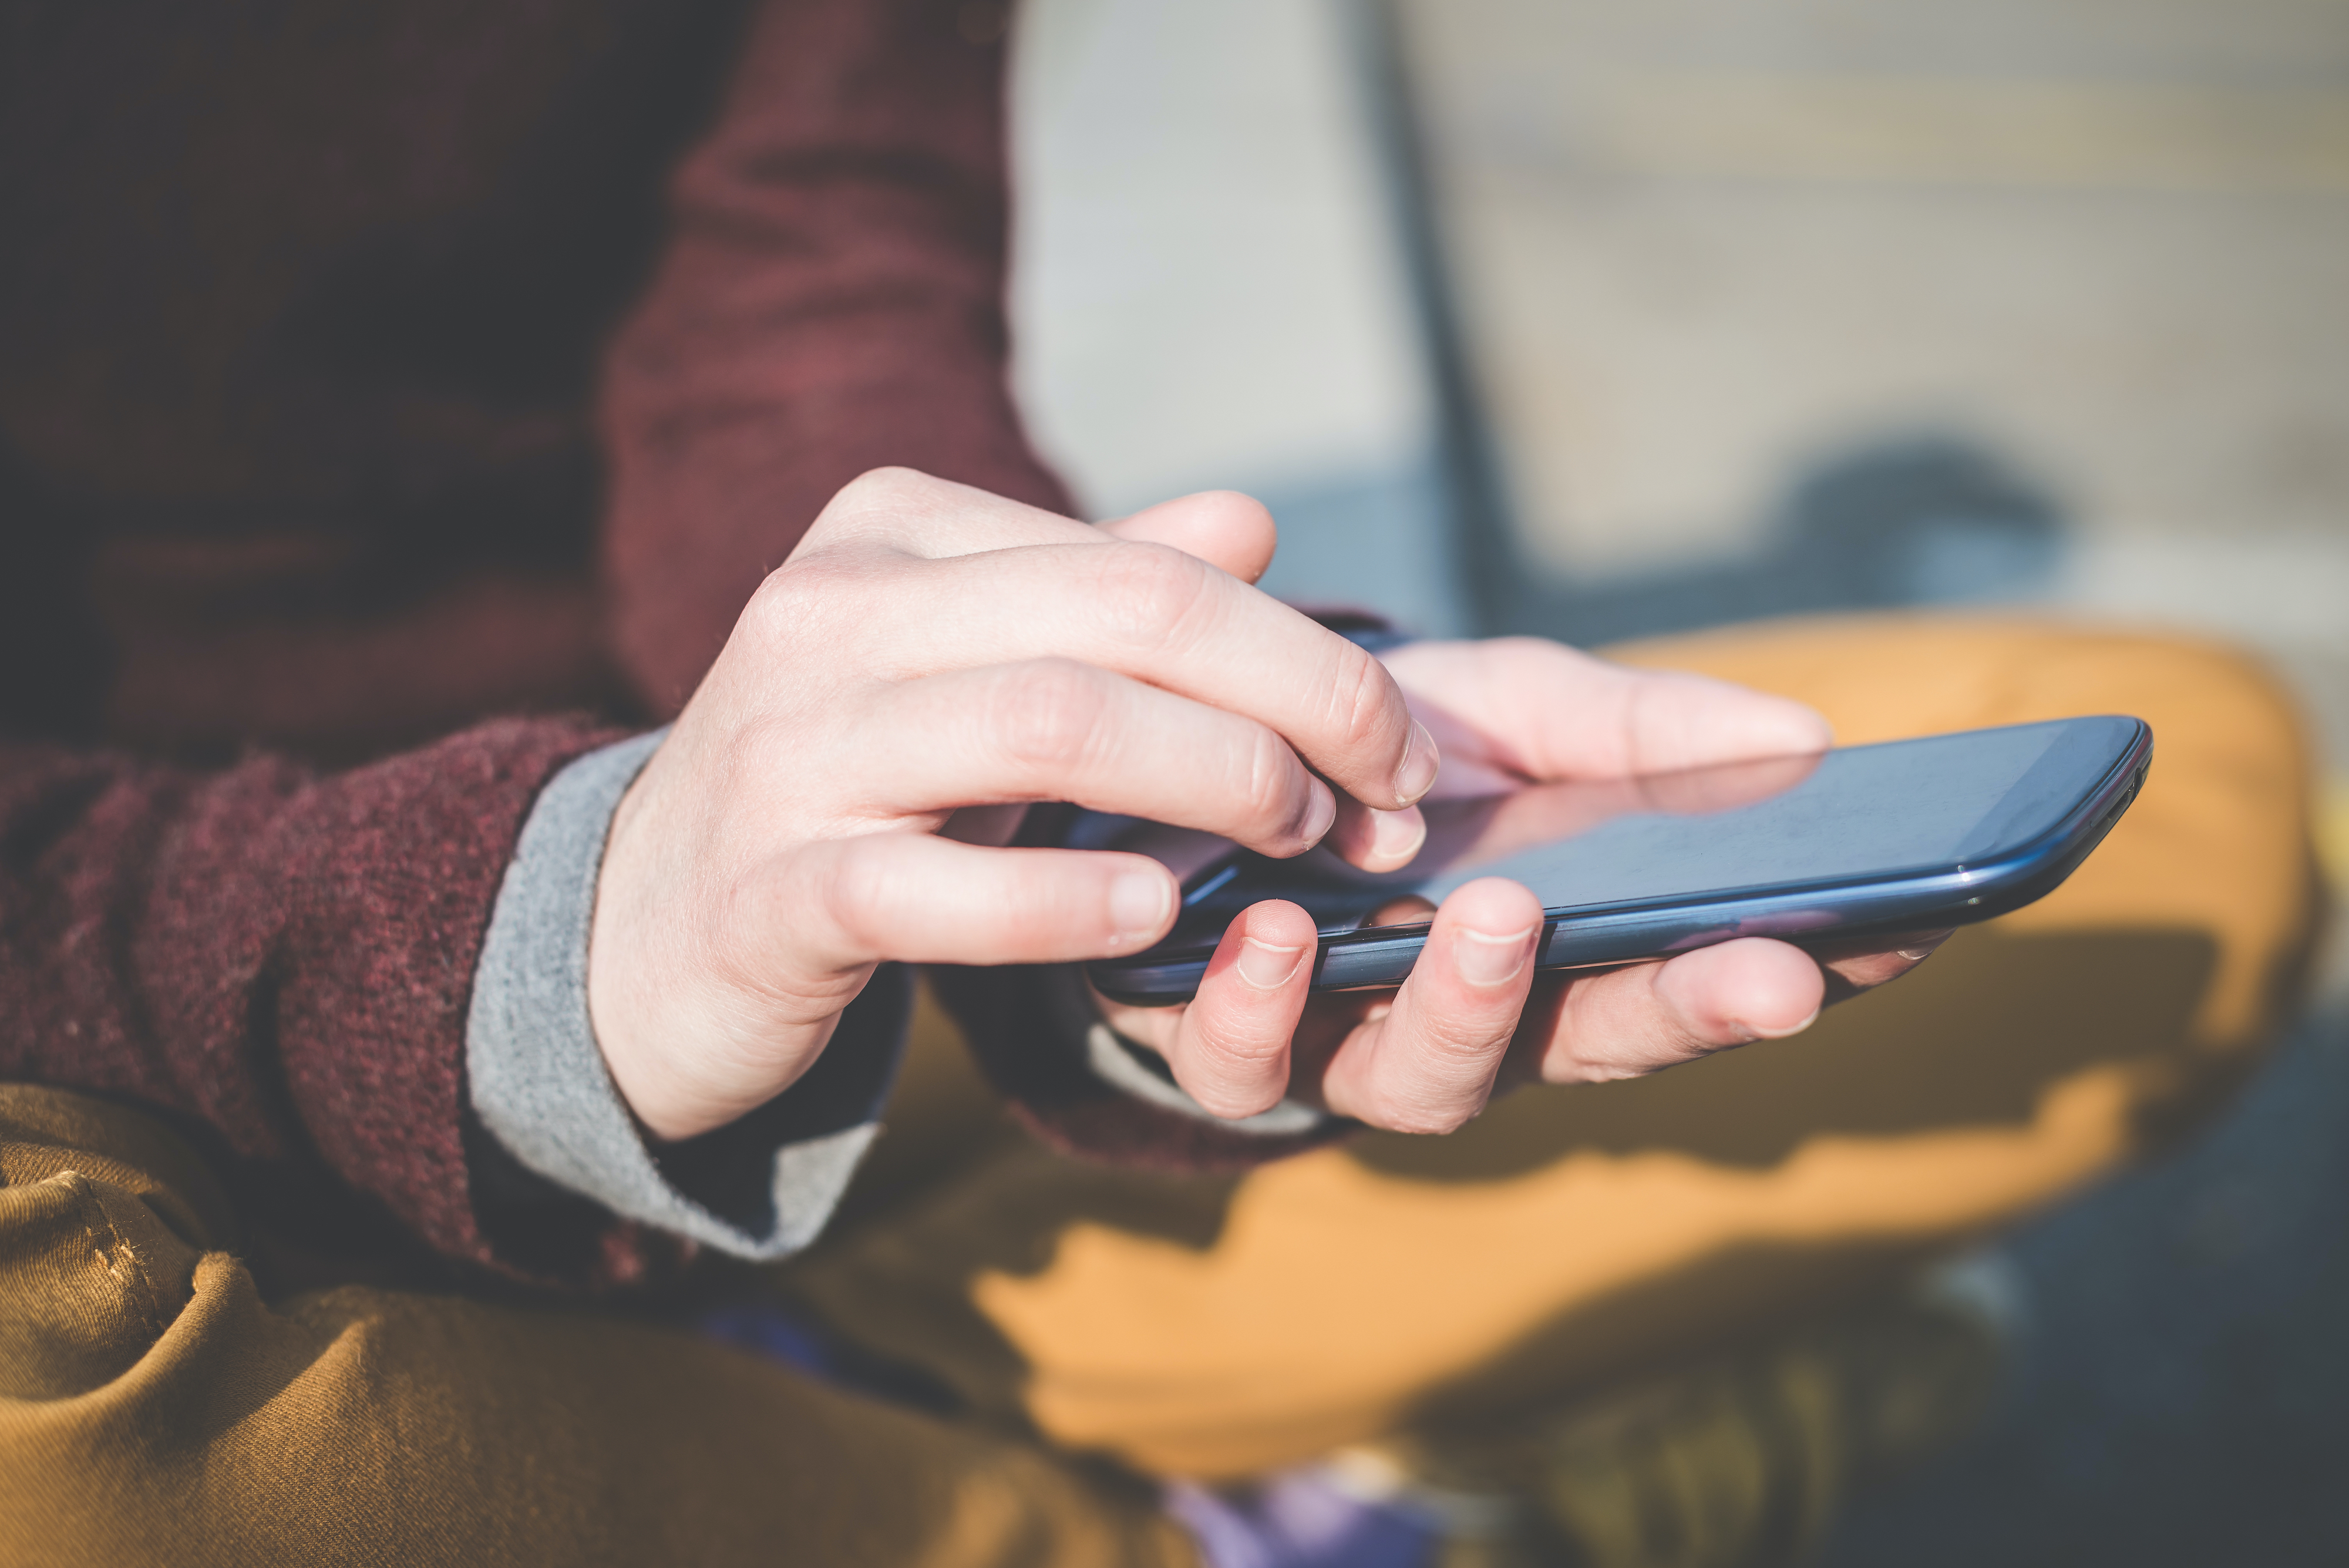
1605	318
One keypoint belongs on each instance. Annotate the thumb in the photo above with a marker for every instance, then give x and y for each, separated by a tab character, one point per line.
1222	527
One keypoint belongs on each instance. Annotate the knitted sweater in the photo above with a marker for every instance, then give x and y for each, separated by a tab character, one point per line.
398	401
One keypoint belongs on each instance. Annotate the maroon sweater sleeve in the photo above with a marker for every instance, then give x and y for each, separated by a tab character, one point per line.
283	958
831	301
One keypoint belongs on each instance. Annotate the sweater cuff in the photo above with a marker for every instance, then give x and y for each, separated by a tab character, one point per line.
761	1187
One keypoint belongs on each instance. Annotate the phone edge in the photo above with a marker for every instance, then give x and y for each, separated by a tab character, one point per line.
1350	961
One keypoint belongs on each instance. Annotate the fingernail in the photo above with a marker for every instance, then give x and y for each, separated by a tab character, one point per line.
1752	1034
1138	902
1490	960
1266	967
1396	836
1420	760
1321	814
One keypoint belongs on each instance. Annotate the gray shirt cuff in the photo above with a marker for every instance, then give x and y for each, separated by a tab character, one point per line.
761	1189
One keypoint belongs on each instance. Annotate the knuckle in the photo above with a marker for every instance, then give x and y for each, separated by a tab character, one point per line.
1234	1074
880	487
799	599
1151	591
1047	714
778	600
1455	1056
1246	1051
1444	1082
1463	1038
859	507
1365	706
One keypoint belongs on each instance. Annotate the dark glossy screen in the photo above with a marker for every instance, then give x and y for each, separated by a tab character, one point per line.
1860	813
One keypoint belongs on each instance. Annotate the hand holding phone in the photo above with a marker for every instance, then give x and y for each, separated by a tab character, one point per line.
1939	831
1510	714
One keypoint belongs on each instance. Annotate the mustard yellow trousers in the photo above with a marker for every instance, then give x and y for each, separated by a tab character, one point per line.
154	1408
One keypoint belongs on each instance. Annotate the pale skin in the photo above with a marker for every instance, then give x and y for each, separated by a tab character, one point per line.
839	789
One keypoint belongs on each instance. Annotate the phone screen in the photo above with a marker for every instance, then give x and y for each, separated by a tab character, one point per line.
1940	803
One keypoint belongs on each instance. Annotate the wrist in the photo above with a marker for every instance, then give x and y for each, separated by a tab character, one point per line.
615	965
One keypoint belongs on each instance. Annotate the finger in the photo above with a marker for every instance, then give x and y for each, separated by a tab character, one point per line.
1146	608
1377	840
913	897
1667	720
1230	1046
938	518
1227	530
1542	710
1853	968
1721	786
919	514
1155	614
1428	1064
1410	909
1053	729
1627	1022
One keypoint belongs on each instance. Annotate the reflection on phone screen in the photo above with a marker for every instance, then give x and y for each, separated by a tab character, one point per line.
1865	812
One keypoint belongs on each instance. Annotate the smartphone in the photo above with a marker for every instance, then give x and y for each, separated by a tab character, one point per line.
1909	836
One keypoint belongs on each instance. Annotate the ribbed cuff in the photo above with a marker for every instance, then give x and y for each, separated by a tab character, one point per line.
761	1188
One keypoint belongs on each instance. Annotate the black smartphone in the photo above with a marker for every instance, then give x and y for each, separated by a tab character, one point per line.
1907	836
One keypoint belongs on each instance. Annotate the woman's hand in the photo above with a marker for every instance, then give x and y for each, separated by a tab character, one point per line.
929	648
1508	712
839	789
